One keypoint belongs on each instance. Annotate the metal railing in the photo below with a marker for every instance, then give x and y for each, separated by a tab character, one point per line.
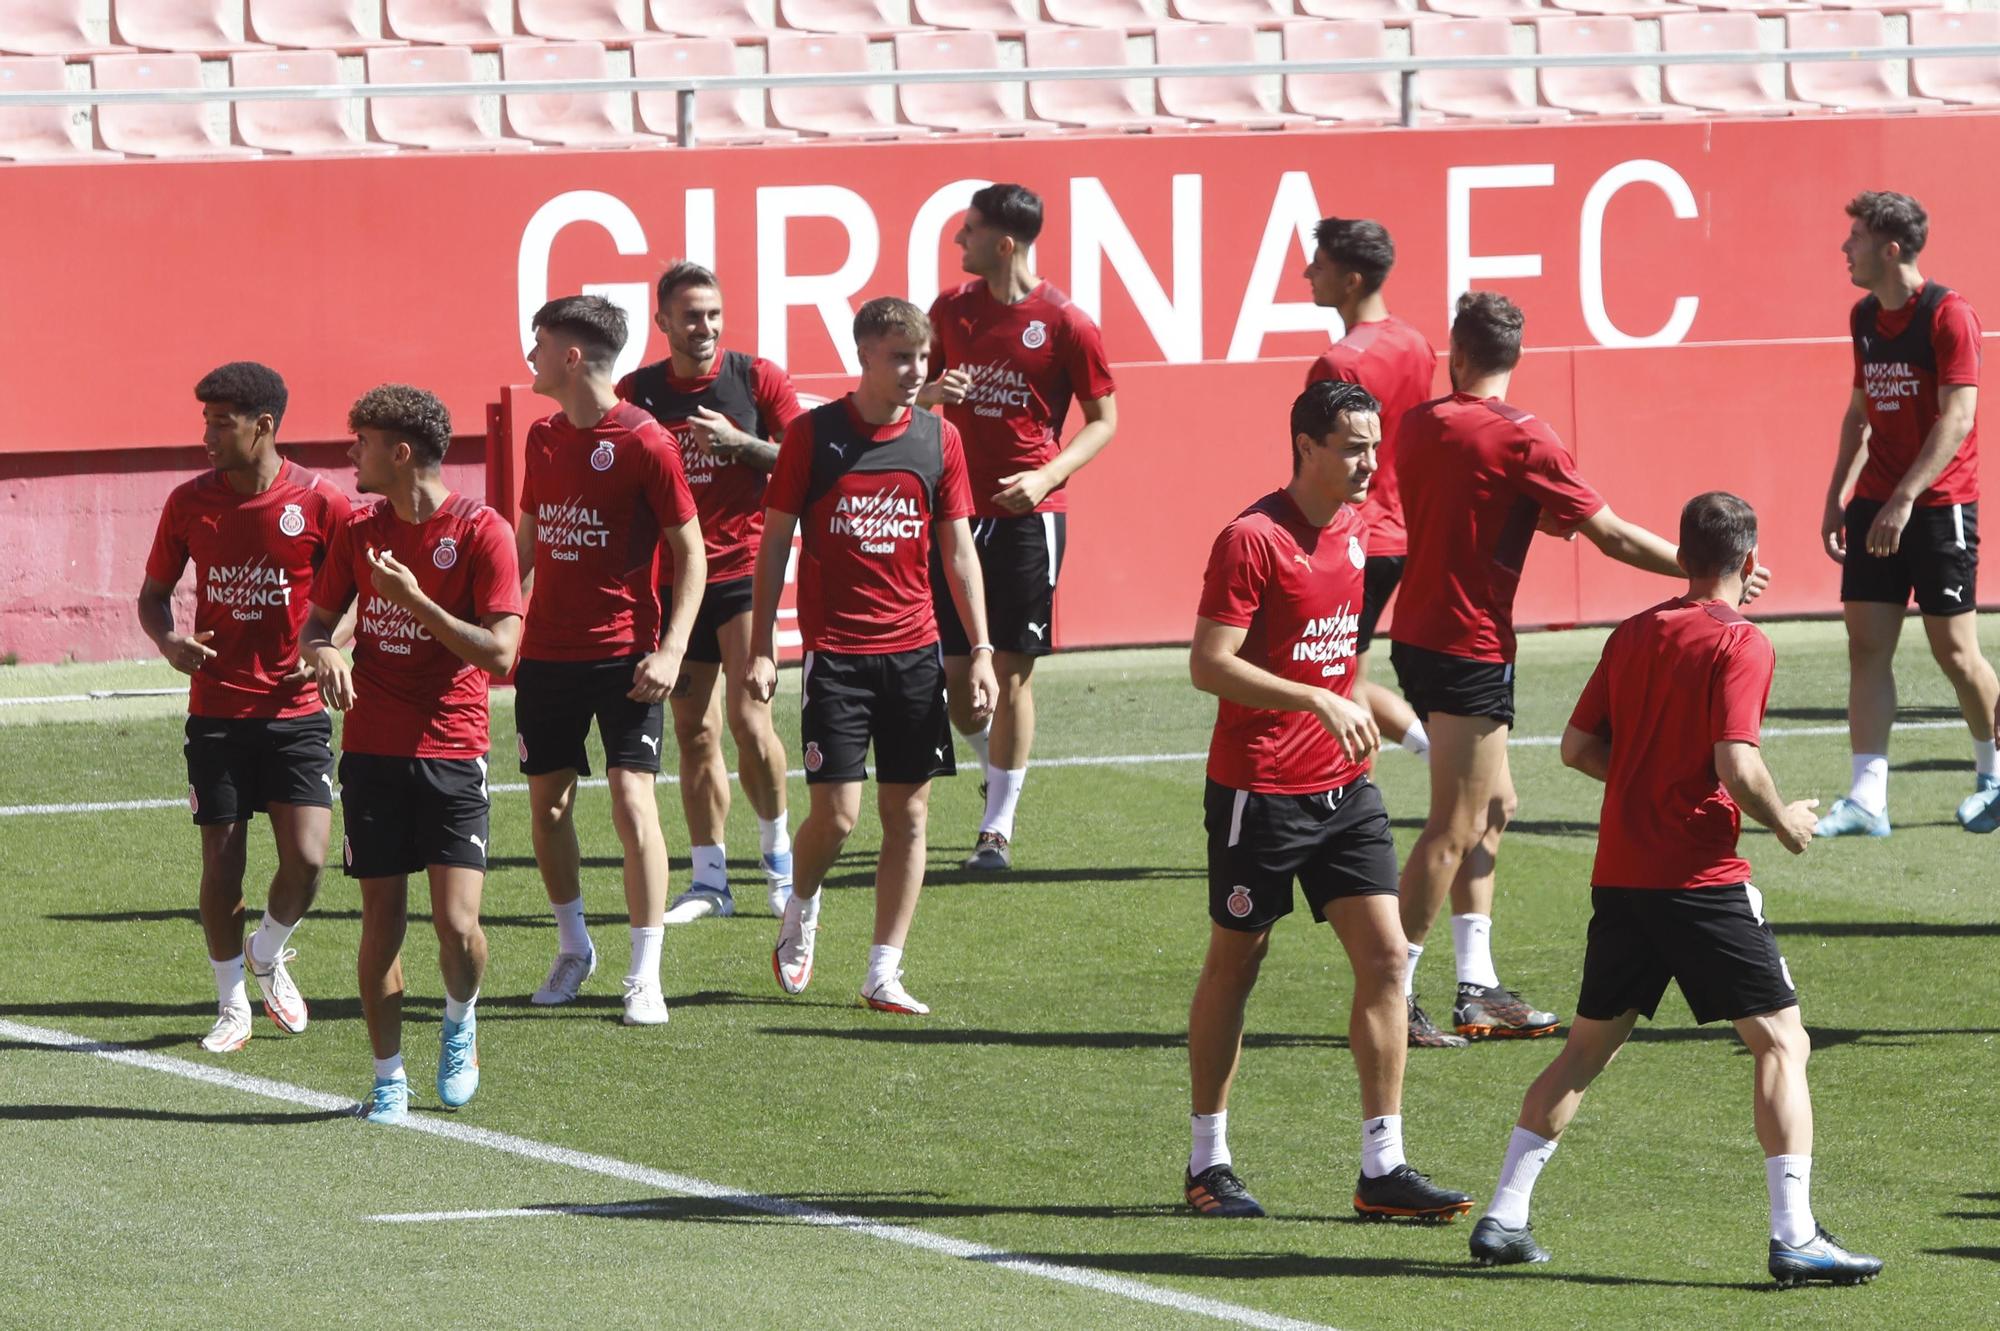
1406	68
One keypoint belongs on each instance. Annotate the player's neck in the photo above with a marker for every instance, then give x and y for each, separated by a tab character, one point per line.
417	496
1013	286
687	367
1370	309
1484	385
1317	506
1899	286
1727	590
588	401
260	476
877	410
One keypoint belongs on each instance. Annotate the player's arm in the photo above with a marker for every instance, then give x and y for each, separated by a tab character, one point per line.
186	652
1846	470
1629	543
768	584
1588	752
968	597
1957	405
716	435
1740	765
317	645
1025	490
1215	667
659	671
491	644
524	551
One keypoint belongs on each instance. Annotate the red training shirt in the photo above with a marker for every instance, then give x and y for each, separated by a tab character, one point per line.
1674	681
413	696
1027	360
599	499
1901	393
254	557
866	497
1396	364
1477	477
1296	588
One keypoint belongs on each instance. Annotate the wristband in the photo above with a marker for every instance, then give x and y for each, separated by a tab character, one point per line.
976	647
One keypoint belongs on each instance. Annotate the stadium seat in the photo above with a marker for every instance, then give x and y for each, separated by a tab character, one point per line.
442	124
1884	6
1845	85
996	16
1112	104
51	27
1394	12
1736	89
1486	8
142	129
1126	15
481	25
203	27
719	116
565	119
1479	94
317	25
975	108
1964	81
1256	13
1626	8
870	18
40	133
1603	90
845	112
613	22
1364	98
733	19
293	127
1227	100
1763	8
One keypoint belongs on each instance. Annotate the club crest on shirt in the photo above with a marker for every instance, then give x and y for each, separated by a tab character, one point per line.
1355	554
603	456
1239	901
292	521
814	758
1035	335
446	553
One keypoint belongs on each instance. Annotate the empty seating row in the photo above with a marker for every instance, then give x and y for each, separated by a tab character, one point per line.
595	119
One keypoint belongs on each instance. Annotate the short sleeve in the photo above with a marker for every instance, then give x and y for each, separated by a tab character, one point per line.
1239	567
954	498
496	574
1547	475
333	585
1955	339
1088	368
1334	365
938	314
666	482
777	401
791	477
169	555
536	433
334	513
1742	686
1592	713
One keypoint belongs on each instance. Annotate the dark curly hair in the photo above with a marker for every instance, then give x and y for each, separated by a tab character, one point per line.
409	414
1891	216
1487	330
248	387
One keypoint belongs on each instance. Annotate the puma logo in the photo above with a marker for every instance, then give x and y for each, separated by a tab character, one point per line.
967	324
1955	592
477	841
939	753
329	782
650	743
213	521
1795	1178
1378	1129
1038	629
839	450
1301	559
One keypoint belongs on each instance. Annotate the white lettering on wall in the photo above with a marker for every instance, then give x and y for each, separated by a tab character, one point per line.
1294	212
1097	235
778	288
1462	267
1590	253
538	240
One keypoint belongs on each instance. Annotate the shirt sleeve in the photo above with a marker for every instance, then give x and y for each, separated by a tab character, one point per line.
777	401
528	456
1592	714
938	363
334	513
1955	339
496	574
1549	477
791	477
1333	365
169	555
1854	340
333	585
666	485
1742	687
1088	367
954	488
1239	566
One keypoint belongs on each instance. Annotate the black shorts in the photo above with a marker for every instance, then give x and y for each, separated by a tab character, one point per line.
404	814
1938	559
555	701
895	700
1378	584
720	603
1019	562
239	766
1454	685
1712	940
1336	844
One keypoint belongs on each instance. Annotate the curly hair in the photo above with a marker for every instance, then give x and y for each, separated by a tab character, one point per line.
248	387
1891	216
409	414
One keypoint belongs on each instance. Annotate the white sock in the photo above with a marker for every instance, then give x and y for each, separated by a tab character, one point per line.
1789	1180
271	937
1526	1154
229	991
1211	1141
1381	1144
1985	757
1003	792
1418	740
390	1068
1410	971
570	934
1871	781
979	743
1472	941
773	837
711	867
457	1011
804	910
882	963
646	954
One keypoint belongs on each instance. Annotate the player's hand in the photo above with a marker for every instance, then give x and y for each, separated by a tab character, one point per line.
1756	584
302	670
1024	491
950	388
393	582
1833	531
760	677
1795	826
1351	725
710	430
335	676
655	674
1547	526
985	685
187	653
1885	534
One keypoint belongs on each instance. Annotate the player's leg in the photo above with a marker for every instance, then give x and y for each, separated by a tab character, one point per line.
1941	550
455	896
552	713
379	972
1484	1008
1215	1044
912	747
1020	561
301	832
224	848
836	720
833	808
696	704
1874	595
760	761
1006	764
635	816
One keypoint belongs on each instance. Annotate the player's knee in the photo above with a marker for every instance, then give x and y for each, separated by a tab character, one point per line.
697	736
837	823
1961	661
749	725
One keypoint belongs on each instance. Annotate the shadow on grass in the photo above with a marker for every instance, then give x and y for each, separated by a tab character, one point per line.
161	1041
872	1206
1560	827
953	876
417	1010
1288	1265
1884	929
1970	1254
257	1118
1838	715
937	1035
542	920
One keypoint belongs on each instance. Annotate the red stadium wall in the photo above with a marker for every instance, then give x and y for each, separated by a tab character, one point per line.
1684	290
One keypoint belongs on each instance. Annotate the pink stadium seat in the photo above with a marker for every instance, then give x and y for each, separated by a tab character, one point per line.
870	18
205	27
734	19
438	123
1884	6
1963	80
154	130
1486	8
1226	100
482	25
1368	98
40	133
51	27
719	117
997	16
1393	12
293	127
613	22
849	112
1860	85
975	108
1481	94
1767	8
1738	89
1128	15
1606	90
318	25
568	120
1257	13
1111	104
1626	8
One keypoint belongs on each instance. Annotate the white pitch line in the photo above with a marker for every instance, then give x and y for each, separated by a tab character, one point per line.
1096	760
1102	1282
